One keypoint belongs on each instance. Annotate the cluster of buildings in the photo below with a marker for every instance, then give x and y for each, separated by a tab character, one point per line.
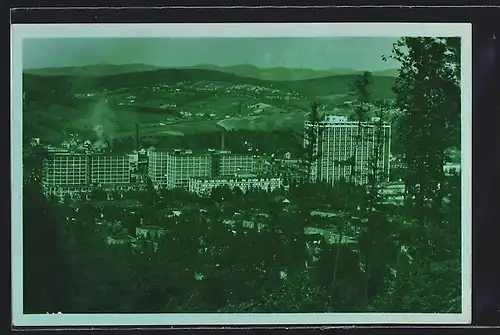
337	142
70	172
201	172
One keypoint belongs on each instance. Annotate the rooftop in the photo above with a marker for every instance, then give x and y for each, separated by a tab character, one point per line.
343	120
185	152
122	238
151	228
63	152
118	203
239	176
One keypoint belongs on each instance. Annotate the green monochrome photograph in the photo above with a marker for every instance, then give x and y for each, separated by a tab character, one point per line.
310	173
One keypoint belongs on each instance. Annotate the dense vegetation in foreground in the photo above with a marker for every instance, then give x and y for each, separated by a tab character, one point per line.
396	265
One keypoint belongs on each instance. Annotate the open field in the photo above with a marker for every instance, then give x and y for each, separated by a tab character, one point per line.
266	122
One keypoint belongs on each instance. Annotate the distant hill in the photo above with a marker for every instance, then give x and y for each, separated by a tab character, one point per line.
245	70
98	70
309	88
287	74
60	102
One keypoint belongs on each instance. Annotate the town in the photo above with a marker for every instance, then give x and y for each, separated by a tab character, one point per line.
81	171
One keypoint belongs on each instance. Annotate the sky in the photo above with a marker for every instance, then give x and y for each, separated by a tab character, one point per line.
360	53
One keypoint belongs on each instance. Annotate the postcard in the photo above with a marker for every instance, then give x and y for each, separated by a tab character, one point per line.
241	174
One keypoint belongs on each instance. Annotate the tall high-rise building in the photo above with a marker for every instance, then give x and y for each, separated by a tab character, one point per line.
110	169
336	142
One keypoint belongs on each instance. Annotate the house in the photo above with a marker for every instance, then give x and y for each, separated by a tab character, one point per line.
329	236
150	232
140	244
124	239
326	213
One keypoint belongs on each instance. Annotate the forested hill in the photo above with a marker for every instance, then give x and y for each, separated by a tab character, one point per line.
310	88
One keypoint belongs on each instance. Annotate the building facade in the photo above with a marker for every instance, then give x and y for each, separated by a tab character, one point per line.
203	186
292	170
233	164
110	169
65	172
182	165
393	193
69	173
339	140
157	167
150	232
173	169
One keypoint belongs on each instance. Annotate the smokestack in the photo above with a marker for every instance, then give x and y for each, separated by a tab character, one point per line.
223	141
136	136
314	111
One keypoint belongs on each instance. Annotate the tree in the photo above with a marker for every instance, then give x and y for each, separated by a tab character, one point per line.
312	144
361	92
46	283
428	100
428	97
98	194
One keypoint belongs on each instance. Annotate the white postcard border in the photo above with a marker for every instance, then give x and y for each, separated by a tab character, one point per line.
24	31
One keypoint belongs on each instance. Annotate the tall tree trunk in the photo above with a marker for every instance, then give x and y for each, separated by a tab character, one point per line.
349	190
367	280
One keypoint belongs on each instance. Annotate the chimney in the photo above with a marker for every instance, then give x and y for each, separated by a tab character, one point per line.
314	112
223	141
136	136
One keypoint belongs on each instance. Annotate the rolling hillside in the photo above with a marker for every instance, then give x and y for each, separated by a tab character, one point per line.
97	70
287	74
310	88
187	100
244	70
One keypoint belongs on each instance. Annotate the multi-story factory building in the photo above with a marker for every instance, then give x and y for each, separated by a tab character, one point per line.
182	165
338	140
224	163
157	167
65	171
110	169
173	169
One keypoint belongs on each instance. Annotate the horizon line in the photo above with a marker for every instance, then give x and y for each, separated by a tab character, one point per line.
159	67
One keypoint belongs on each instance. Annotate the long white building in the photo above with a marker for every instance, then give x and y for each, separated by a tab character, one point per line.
245	182
336	143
